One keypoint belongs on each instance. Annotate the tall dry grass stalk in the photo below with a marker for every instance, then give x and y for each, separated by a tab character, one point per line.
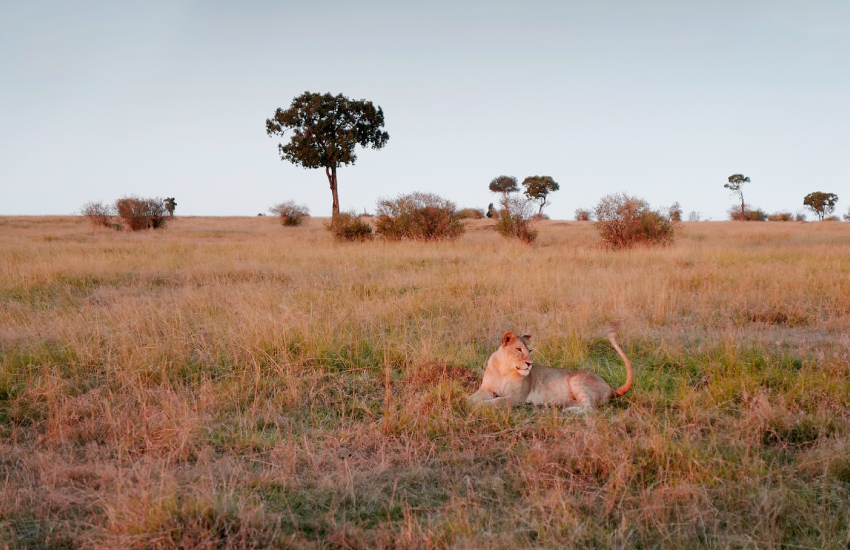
234	383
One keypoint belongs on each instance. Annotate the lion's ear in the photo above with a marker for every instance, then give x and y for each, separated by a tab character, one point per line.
507	338
526	337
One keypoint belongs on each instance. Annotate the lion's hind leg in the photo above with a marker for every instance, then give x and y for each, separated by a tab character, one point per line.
584	400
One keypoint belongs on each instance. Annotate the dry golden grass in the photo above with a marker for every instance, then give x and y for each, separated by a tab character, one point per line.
231	383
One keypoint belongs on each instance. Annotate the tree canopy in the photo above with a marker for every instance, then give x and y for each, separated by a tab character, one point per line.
504	185
822	204
736	184
325	129
537	188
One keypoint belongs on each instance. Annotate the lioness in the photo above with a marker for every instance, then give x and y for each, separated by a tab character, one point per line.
509	379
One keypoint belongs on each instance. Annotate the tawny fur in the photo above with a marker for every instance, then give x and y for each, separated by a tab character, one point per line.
511	379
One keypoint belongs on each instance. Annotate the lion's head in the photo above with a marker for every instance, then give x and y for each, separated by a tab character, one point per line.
516	353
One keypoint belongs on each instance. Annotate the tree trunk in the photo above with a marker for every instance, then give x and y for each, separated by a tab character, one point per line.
331	173
743	217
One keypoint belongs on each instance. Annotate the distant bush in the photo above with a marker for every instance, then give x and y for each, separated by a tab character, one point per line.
750	215
675	212
98	214
799	217
847	215
624	222
694	216
516	219
471	214
583	215
491	211
290	214
419	216
139	214
347	226
781	217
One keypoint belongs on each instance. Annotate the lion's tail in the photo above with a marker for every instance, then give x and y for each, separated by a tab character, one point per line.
612	334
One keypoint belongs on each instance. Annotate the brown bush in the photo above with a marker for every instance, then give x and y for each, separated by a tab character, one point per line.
98	214
419	216
139	214
516	219
471	214
347	226
624	222
583	215
291	214
750	215
781	217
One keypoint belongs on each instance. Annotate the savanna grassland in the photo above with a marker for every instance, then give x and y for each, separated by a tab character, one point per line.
231	383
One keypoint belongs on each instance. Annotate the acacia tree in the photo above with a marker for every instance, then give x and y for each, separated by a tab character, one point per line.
736	184
537	188
504	185
822	204
325	129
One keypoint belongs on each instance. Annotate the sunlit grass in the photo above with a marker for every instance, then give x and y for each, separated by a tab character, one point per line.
234	383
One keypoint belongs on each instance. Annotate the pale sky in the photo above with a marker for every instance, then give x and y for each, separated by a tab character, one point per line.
659	99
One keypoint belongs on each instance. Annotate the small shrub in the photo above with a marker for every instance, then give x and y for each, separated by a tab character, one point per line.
516	219
694	216
98	214
847	215
291	214
583	215
624	222
470	214
347	226
750	215
139	214
419	216
491	211
800	217
781	217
